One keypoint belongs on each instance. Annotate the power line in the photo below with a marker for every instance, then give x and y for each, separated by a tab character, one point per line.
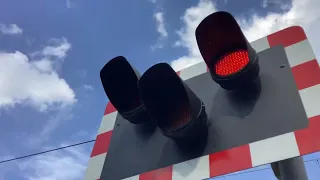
256	170
86	142
262	169
43	152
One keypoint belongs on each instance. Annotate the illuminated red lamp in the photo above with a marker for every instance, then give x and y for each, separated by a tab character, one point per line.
232	63
231	60
119	80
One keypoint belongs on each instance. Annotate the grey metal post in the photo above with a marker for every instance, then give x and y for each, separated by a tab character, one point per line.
290	169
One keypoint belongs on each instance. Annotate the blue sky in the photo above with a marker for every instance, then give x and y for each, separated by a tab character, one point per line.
51	53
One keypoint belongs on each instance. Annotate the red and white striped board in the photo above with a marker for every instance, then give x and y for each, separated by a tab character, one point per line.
306	73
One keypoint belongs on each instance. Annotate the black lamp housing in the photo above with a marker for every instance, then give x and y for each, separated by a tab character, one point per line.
119	80
219	35
174	107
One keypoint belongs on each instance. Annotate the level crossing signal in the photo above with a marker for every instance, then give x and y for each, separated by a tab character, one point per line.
161	96
245	95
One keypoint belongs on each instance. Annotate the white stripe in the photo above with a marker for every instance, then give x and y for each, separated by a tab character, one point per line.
274	149
108	122
311	100
132	178
260	44
193	71
95	166
299	53
193	169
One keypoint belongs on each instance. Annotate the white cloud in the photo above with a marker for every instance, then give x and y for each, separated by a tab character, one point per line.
302	12
51	57
158	45
71	4
265	3
10	29
160	24
152	1
275	3
35	82
88	87
68	3
191	19
161	29
67	164
44	65
56	48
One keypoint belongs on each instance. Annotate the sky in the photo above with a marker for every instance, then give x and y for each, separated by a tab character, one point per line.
51	53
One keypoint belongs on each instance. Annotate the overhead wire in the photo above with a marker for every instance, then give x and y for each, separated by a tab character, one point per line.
262	169
47	151
90	141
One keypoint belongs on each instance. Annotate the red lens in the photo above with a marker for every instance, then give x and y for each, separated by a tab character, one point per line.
165	98
181	118
232	63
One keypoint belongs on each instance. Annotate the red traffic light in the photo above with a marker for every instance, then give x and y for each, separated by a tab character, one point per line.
231	63
175	108
231	60
119	80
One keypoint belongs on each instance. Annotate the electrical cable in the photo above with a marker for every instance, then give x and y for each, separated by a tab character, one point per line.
43	152
256	170
86	142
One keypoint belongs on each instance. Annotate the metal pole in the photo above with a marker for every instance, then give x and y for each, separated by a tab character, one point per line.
290	169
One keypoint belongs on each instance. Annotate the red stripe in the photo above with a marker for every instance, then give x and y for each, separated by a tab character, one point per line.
307	74
102	143
230	160
178	73
159	174
287	37
308	139
109	109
